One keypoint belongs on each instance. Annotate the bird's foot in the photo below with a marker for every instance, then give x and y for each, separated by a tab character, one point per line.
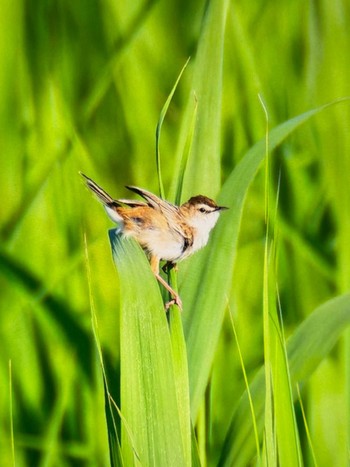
175	301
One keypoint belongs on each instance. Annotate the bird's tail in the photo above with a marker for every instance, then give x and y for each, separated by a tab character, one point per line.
110	204
101	194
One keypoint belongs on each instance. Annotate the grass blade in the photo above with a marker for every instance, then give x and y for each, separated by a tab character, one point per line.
203	172
251	405
308	435
185	155
288	441
115	454
306	348
181	377
11	415
178	344
209	273
159	127
148	393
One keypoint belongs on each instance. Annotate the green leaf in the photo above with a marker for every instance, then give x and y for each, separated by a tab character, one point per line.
306	349
159	128
185	155
269	315
148	392
209	274
203	171
115	454
280	428
181	377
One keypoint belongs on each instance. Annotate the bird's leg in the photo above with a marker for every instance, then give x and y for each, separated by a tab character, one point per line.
176	298
154	261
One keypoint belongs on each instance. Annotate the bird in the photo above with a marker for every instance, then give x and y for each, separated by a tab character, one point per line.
165	232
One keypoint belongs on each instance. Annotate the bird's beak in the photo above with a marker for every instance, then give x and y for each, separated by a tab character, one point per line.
221	208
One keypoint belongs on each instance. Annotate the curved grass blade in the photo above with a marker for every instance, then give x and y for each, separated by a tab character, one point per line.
178	344
209	273
159	127
179	353
148	392
306	349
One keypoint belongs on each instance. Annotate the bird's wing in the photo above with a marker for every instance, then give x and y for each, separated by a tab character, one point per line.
154	201
169	210
132	203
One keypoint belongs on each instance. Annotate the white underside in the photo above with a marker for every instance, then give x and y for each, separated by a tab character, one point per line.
168	245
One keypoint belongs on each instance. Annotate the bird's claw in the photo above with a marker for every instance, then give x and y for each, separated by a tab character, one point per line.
175	301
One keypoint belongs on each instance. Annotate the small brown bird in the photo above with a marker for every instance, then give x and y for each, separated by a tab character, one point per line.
165	231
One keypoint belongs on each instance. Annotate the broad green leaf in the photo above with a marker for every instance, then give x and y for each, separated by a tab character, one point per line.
209	274
306	349
148	393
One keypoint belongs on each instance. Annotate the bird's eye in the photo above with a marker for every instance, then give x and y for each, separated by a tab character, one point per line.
203	210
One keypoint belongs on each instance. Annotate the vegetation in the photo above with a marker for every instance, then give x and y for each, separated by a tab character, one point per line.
255	371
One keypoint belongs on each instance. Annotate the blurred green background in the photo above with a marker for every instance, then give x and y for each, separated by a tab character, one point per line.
82	85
